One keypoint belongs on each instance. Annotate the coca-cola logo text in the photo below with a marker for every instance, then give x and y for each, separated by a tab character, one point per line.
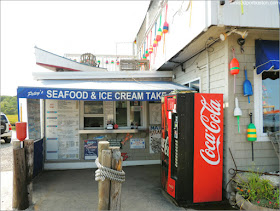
212	136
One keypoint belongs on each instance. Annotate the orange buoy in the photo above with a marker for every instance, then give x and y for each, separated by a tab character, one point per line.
234	66
21	130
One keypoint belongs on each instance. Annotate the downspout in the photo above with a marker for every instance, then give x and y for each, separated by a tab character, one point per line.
206	48
207	69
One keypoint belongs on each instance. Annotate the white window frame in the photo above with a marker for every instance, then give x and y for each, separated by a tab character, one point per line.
190	81
261	136
143	115
91	115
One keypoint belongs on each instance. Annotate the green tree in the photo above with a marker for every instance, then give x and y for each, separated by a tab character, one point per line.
8	105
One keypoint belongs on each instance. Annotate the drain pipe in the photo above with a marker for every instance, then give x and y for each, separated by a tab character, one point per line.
207	70
206	48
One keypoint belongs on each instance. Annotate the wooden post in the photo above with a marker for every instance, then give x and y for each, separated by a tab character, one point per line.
105	159
20	196
29	161
116	187
101	146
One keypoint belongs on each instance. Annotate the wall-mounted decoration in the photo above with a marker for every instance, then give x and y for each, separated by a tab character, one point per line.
137	143
127	138
90	149
159	32
155	138
237	113
165	26
247	86
234	67
252	134
124	155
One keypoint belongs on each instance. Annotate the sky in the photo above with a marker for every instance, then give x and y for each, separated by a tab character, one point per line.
61	27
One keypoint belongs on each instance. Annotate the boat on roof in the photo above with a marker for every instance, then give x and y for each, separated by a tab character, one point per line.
58	63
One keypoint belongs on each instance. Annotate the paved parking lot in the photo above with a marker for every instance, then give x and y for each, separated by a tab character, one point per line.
77	189
6	155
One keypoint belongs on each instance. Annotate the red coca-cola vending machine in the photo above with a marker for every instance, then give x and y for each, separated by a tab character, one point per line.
192	147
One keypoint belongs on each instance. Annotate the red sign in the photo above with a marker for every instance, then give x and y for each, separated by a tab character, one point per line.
208	147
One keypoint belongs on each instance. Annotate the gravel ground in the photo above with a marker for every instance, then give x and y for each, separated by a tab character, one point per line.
6	152
6	155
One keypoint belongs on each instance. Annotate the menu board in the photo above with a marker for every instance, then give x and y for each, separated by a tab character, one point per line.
33	114
155	113
62	127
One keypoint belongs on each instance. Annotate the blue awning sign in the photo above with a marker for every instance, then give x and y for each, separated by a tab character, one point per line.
267	55
93	95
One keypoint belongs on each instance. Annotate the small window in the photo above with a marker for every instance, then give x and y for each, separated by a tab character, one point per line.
93	114
129	114
93	122
270	101
195	84
121	113
93	107
136	113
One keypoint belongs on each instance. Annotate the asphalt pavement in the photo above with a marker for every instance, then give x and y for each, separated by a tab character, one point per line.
6	155
77	190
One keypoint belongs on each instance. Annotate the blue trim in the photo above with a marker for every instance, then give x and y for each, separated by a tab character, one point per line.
67	58
18	108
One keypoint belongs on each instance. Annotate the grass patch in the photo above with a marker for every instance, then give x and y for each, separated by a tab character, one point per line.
13	119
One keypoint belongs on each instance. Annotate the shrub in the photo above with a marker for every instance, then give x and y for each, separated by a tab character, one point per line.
259	191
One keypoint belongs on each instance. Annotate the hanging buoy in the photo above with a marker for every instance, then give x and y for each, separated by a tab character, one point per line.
234	67
237	112
165	30
165	27
147	53
112	62
107	62
155	44
151	49
118	63
159	34
98	61
252	134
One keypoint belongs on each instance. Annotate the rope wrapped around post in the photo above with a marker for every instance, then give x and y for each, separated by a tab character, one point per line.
103	172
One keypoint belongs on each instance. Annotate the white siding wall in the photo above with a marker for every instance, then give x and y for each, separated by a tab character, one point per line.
197	68
264	154
221	81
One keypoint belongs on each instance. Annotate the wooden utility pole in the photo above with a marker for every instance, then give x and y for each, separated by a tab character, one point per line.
116	187
29	162
20	196
105	159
